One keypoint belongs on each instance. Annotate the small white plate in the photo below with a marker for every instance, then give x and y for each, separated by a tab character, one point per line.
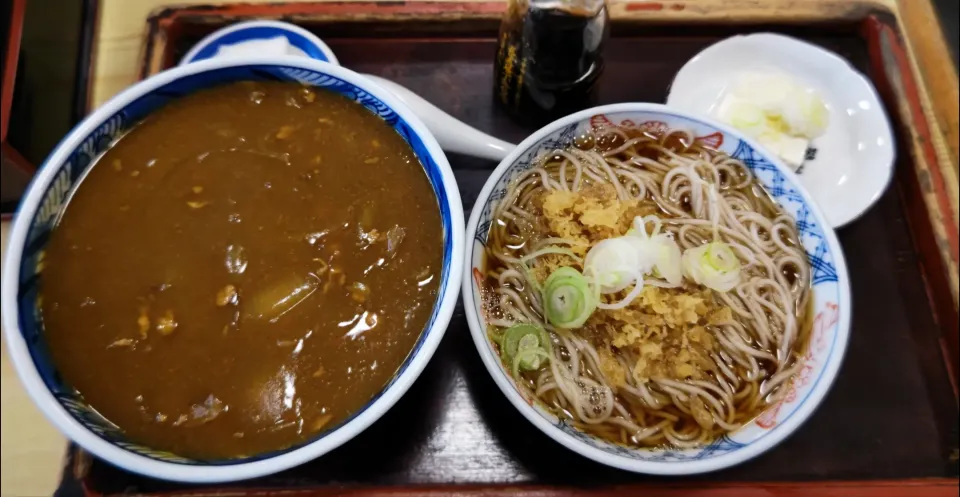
850	166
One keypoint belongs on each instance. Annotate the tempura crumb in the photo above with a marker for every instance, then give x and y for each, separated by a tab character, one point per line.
590	215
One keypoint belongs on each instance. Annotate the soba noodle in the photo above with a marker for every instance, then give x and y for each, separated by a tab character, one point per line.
697	195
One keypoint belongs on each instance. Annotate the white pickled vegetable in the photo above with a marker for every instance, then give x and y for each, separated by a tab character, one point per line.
792	150
766	89
805	114
743	114
777	111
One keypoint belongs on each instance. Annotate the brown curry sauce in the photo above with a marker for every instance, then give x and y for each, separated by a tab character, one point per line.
244	269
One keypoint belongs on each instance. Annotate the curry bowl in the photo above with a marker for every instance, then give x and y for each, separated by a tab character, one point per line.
59	178
540	338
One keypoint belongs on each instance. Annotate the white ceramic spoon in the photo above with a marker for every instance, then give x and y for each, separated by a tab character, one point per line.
453	134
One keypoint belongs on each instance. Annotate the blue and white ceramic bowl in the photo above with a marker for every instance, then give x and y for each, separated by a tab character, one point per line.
831	293
45	199
295	41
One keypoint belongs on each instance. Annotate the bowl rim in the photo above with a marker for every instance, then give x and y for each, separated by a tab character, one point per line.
44	399
506	385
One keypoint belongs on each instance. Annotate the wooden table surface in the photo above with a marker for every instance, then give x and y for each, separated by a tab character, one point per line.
32	450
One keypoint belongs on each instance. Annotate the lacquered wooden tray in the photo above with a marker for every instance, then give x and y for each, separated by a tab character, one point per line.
887	428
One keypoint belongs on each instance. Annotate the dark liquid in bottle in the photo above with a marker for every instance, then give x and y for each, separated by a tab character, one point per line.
549	61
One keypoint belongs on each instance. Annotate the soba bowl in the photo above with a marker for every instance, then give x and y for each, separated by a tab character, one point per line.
45	199
831	296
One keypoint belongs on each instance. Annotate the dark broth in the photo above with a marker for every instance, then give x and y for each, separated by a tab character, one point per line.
243	270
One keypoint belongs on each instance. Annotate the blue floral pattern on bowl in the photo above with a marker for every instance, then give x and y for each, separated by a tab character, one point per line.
827	292
297	37
84	156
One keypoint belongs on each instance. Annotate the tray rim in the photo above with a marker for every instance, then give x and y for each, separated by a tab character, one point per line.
911	88
912	487
11	48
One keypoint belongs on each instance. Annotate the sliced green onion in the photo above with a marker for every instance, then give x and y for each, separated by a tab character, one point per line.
633	294
515	334
524	347
528	360
639	228
713	265
720	257
614	263
568	300
667	259
658	254
496	335
528	341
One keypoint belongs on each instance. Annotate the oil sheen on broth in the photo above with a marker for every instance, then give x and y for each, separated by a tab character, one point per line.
244	269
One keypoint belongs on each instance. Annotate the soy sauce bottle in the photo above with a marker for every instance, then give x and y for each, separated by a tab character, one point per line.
549	57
